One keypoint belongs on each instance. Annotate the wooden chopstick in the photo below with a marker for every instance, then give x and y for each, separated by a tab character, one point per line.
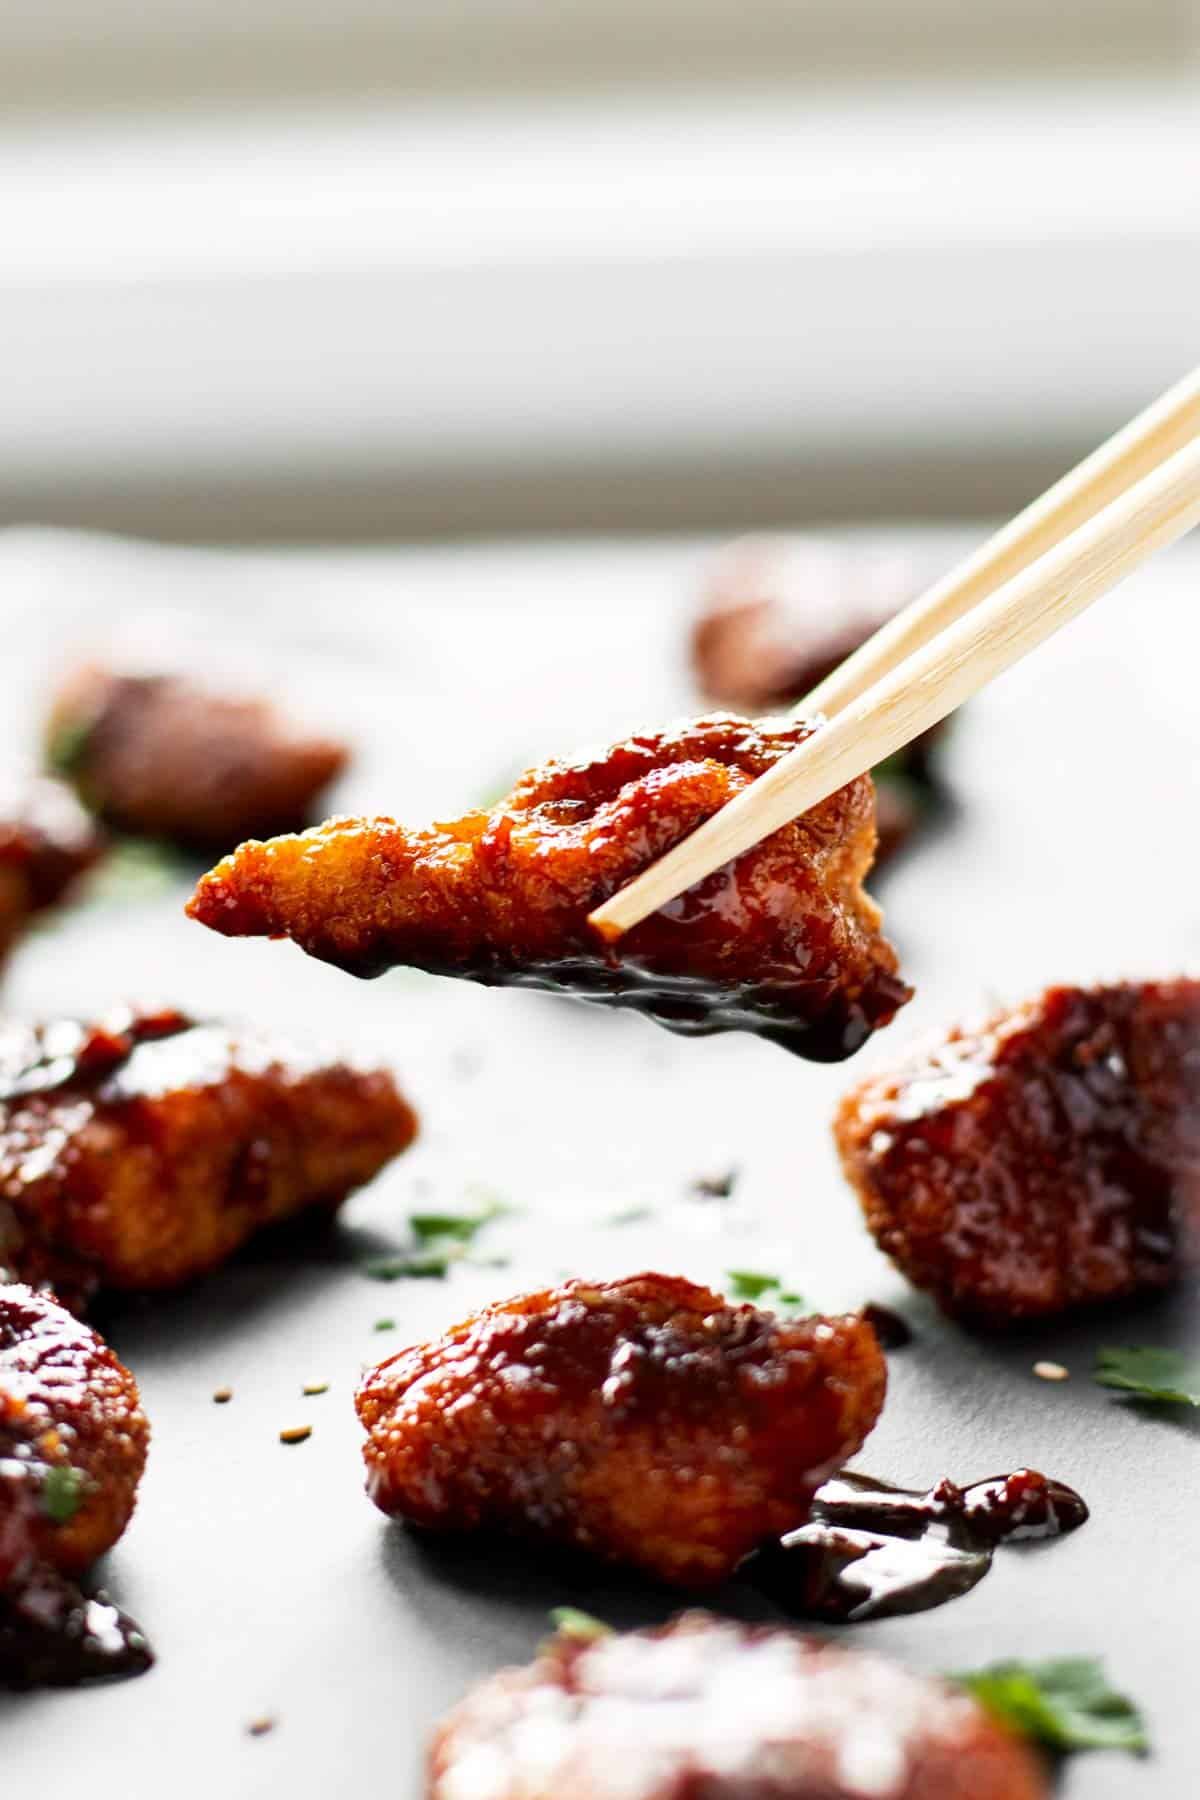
920	691
1164	427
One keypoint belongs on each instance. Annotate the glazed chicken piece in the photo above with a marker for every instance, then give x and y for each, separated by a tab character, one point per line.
163	756
1048	1160
709	1707
642	1420
73	1439
779	614
47	841
783	942
139	1153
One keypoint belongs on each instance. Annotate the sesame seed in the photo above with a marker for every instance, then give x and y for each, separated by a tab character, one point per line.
295	1434
260	1727
222	1395
315	1387
1050	1371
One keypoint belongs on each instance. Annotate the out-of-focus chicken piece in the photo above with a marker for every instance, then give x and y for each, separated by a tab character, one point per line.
1049	1159
642	1420
779	614
141	1152
164	756
783	942
47	841
73	1440
709	1707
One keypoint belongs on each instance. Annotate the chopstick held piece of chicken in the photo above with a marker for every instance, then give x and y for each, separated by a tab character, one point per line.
783	942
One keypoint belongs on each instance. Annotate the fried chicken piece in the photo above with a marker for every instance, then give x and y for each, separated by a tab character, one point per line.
47	841
164	756
141	1152
73	1439
779	614
709	1707
1050	1159
783	942
643	1420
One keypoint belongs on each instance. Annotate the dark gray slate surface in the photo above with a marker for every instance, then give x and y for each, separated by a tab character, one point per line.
266	1580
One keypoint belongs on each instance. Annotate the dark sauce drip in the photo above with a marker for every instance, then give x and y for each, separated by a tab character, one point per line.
892	1331
54	1635
870	1549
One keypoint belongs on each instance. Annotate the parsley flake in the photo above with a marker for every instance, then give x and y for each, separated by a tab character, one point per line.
1166	1376
1066	1704
750	1284
62	1493
407	1268
568	1621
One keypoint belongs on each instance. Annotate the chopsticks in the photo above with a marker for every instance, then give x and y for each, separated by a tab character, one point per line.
1132	518
1164	427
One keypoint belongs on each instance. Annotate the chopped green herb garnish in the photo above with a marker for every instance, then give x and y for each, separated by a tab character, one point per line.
1163	1375
407	1268
62	1493
629	1216
462	1227
793	1302
384	1325
1066	1704
570	1622
749	1284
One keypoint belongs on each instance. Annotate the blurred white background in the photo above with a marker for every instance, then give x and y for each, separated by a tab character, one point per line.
321	269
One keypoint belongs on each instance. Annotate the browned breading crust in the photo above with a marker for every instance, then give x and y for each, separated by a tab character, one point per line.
67	1406
1048	1160
47	841
783	942
642	1420
164	756
709	1709
144	1151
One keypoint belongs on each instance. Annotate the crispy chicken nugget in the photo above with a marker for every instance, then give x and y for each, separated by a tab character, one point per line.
73	1439
643	1420
783	942
144	1151
47	841
1047	1160
708	1709
164	756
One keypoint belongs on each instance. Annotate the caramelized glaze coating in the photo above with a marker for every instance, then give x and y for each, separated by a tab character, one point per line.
47	841
164	756
68	1405
144	1151
783	942
642	1420
1050	1159
708	1709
